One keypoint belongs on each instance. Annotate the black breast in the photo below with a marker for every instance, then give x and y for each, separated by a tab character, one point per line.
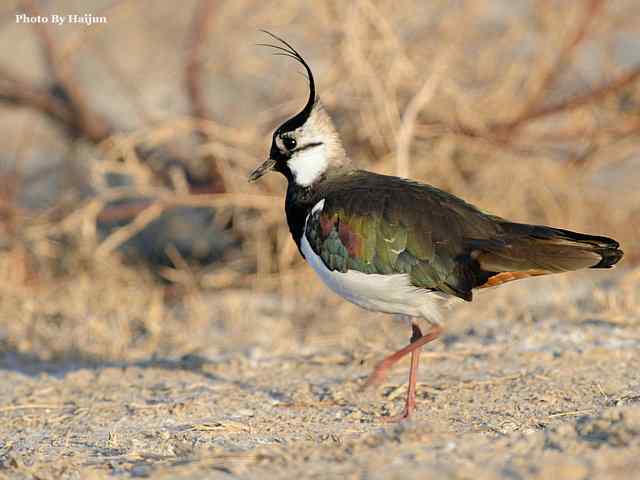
298	204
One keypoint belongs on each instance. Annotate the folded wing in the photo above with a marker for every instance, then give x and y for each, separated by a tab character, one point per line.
385	225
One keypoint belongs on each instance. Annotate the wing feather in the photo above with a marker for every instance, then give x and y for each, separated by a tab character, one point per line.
380	224
377	224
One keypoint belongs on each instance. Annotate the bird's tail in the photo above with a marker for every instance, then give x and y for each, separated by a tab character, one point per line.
528	250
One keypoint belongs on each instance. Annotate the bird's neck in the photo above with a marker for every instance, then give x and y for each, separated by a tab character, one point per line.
301	199
298	203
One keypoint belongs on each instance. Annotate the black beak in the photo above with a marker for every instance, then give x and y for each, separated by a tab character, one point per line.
267	166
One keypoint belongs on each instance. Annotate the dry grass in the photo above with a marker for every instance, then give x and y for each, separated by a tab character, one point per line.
501	103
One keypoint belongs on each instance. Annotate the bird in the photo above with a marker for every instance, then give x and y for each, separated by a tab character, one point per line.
398	246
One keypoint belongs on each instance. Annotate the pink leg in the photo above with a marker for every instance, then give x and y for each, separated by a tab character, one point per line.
418	340
410	404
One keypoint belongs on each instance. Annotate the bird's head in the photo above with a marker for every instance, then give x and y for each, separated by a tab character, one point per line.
307	145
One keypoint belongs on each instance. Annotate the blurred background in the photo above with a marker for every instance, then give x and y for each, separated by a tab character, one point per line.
128	230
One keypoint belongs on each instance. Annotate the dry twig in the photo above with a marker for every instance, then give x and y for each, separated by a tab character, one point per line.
82	120
200	26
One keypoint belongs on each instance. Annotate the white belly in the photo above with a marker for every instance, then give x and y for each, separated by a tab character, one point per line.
381	293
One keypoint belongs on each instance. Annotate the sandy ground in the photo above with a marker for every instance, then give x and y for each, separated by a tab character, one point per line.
539	379
523	385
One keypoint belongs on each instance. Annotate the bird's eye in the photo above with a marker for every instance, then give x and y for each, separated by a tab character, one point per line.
289	143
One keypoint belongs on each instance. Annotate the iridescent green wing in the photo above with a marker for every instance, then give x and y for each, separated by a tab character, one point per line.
396	226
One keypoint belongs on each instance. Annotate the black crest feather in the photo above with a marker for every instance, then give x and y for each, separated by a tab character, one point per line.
288	51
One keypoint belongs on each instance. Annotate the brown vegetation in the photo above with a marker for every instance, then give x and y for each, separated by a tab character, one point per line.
530	110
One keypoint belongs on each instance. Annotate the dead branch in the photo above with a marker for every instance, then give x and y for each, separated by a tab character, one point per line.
82	119
501	135
577	101
64	102
563	60
200	25
23	93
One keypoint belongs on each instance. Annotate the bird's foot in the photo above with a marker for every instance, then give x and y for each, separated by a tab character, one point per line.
405	415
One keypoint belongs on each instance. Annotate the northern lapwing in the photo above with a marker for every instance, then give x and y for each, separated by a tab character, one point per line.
398	246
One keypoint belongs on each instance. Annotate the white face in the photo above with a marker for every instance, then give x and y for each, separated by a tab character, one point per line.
307	146
308	164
